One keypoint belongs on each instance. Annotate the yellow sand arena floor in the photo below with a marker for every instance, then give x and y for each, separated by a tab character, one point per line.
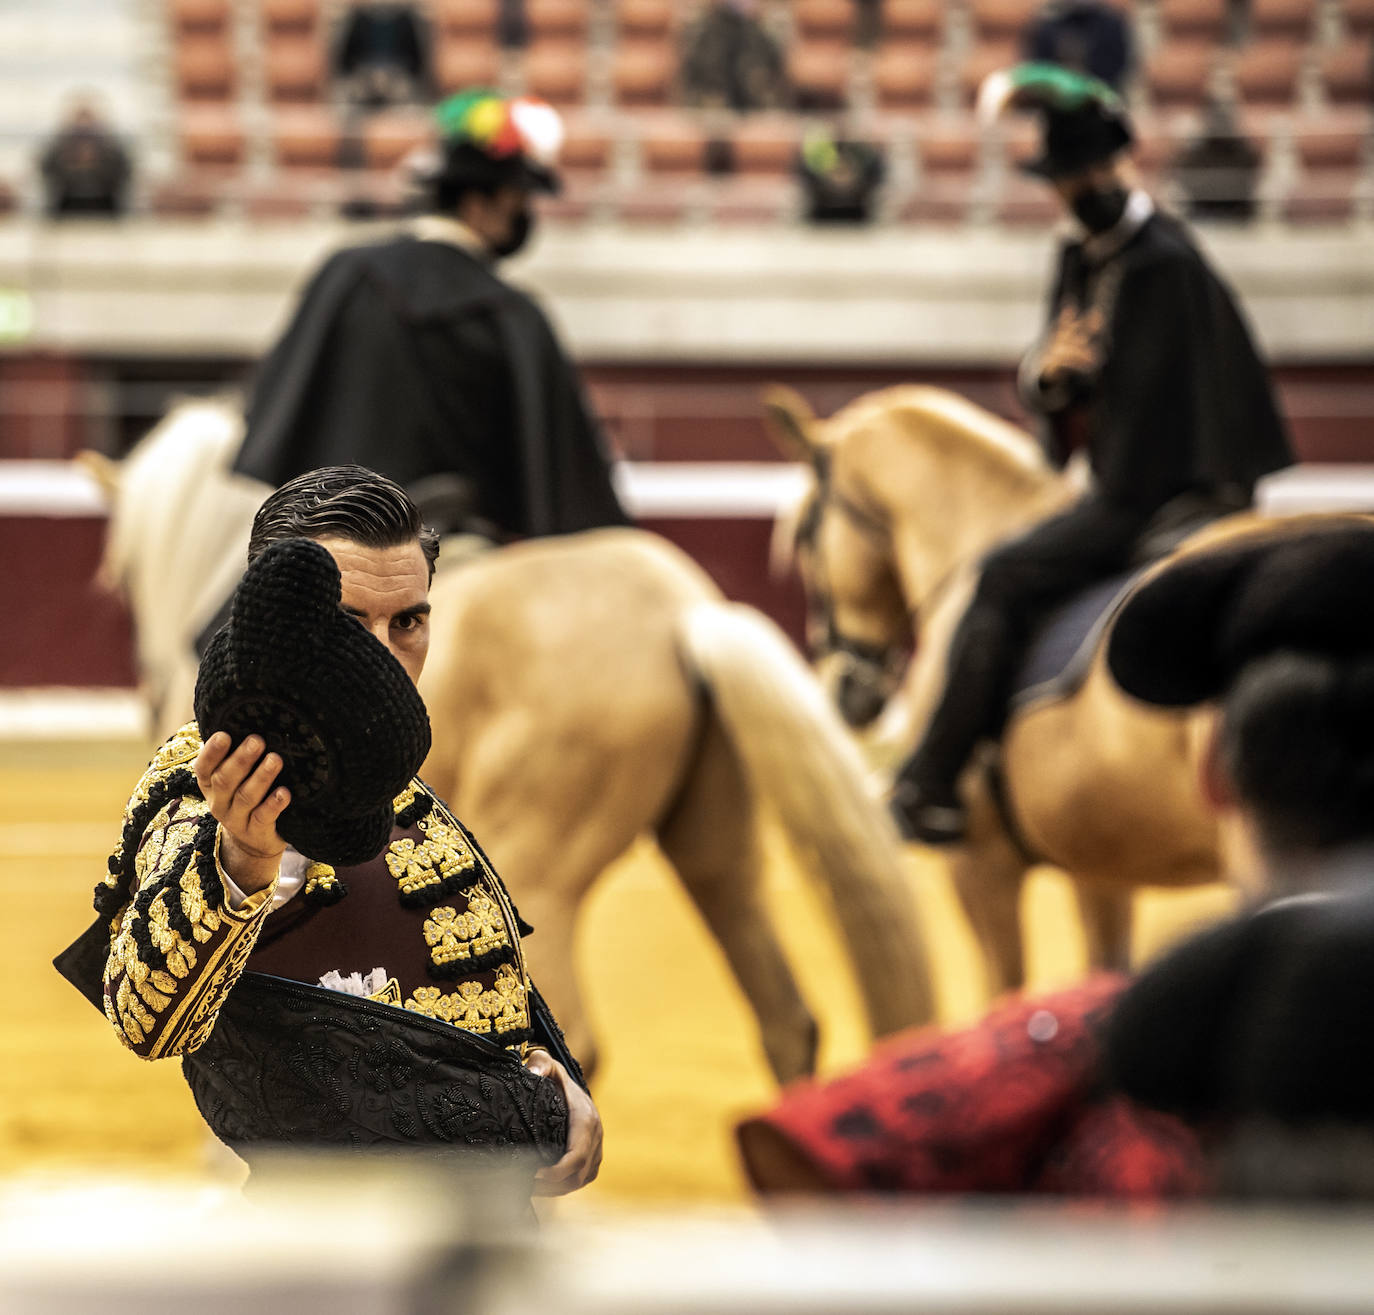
681	1057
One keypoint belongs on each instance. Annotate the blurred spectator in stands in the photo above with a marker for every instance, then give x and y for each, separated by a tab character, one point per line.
868	22
512	25
1219	171
85	169
731	62
412	356
383	55
839	177
1085	35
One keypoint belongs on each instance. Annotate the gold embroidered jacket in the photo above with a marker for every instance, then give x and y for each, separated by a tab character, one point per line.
430	909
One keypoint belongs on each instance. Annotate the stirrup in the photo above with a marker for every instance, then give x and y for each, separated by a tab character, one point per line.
923	816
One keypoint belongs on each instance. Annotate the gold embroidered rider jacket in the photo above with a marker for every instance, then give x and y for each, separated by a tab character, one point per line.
429	911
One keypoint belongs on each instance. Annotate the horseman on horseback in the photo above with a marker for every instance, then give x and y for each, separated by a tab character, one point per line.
412	357
1147	366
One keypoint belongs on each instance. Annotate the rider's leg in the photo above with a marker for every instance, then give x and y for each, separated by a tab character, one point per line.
1021	581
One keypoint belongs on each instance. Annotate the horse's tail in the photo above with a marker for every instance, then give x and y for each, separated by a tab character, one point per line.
801	758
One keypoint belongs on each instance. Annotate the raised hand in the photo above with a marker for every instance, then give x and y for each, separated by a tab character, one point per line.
238	785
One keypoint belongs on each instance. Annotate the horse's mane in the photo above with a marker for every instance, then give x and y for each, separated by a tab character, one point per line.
179	529
930	415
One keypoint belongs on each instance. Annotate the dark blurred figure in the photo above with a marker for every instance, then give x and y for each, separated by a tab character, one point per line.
1219	171
1090	37
840	178
731	62
85	169
1254	1031
1236	1065
512	25
383	55
868	23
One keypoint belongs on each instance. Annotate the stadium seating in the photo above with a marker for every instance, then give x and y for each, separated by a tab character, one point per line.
612	67
1266	71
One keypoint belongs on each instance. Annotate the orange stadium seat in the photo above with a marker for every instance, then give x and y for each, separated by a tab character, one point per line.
585	152
983	59
1346	73
1282	17
1027	203
465	60
949	169
823	18
466	16
1193	18
1358	16
205	69
1153	151
206	17
1001	19
1330	152
294	69
758	200
766	145
819	73
643	72
675	146
211	135
305	137
1266	72
904	73
1180	72
652	18
190	196
556	70
557	18
390	136
911	18
298	16
664	201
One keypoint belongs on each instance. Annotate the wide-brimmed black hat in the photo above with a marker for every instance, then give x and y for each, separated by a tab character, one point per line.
1184	636
1083	120
461	162
293	667
1075	140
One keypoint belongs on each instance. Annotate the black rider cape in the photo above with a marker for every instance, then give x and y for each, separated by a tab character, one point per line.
1182	401
412	357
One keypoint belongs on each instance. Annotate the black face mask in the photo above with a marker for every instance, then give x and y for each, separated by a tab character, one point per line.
520	229
1100	208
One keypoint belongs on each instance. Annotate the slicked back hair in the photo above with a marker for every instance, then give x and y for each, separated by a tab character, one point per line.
342	502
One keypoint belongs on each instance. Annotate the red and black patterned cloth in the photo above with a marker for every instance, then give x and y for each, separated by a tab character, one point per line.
1015	1103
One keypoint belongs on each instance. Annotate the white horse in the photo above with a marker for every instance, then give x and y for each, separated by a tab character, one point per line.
583	691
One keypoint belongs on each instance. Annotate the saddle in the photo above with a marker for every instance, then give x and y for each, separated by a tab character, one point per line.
1061	651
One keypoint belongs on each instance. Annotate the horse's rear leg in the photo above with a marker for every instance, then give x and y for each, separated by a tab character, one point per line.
1108	912
988	873
710	837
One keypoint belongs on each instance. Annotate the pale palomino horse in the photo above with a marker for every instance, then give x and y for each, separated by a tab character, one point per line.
585	691
913	486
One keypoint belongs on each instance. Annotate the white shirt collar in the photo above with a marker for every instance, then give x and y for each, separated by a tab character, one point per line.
444	228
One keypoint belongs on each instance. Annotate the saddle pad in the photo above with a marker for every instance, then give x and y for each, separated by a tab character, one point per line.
1061	650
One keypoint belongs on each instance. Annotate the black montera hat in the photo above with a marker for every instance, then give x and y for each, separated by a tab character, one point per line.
292	666
1078	139
1184	636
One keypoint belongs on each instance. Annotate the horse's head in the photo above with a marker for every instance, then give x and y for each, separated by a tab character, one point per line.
858	626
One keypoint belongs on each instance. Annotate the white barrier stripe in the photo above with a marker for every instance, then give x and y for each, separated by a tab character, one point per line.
72	714
725	490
